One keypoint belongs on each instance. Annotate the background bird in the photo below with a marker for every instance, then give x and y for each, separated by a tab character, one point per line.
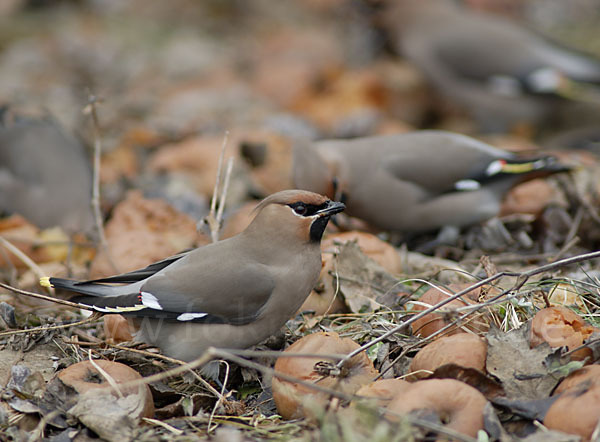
45	174
229	294
499	71
415	182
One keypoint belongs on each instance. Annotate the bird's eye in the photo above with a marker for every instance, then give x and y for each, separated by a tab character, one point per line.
300	209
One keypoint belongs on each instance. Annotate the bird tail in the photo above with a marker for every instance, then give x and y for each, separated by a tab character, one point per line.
100	297
544	164
83	288
526	168
514	170
581	91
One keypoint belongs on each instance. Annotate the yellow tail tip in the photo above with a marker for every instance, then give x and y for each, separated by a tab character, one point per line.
45	282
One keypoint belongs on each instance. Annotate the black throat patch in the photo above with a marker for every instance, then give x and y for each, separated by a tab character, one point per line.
317	228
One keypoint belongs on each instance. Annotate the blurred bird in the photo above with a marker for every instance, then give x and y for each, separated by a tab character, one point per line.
45	174
230	294
415	182
502	73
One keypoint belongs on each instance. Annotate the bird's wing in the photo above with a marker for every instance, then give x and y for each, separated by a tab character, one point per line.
434	175
232	292
140	274
428	176
434	161
184	289
507	58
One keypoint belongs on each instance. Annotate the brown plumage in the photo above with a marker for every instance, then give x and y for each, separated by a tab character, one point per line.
45	174
416	182
498	70
231	294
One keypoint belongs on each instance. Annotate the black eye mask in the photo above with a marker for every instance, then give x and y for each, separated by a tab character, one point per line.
309	209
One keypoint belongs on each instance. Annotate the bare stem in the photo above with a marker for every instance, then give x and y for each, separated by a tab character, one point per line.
25	259
45	298
91	109
168	359
213	353
522	278
215	215
92	318
213	202
223	196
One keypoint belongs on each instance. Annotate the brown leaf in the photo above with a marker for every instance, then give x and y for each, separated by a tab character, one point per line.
520	369
177	409
529	409
366	285
381	252
434	321
270	158
142	231
530	197
105	414
489	387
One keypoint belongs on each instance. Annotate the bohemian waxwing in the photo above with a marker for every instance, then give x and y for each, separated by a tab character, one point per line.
45	174
500	72
415	182
230	294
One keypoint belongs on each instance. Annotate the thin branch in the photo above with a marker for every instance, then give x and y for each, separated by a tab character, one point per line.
24	259
216	214
522	278
105	375
281	354
228	354
221	399
213	202
91	109
45	298
563	262
172	360
43	243
219	220
92	318
175	431
582	346
215	353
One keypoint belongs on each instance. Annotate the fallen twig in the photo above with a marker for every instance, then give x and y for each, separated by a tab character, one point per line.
90	109
219	401
105	375
92	318
213	353
45	298
172	360
215	216
175	431
24	259
522	278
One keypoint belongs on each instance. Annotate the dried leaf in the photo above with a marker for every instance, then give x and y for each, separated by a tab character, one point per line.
366	285
545	435
107	415
23	405
26	383
493	426
7	313
529	409
521	370
185	406
142	231
489	387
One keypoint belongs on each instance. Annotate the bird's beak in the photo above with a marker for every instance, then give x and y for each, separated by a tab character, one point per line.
332	208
